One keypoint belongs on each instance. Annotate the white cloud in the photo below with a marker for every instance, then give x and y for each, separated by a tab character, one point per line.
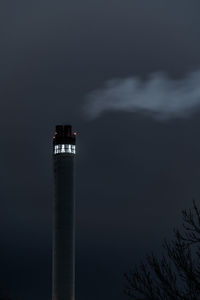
163	98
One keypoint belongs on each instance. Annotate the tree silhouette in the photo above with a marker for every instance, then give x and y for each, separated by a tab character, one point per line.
176	273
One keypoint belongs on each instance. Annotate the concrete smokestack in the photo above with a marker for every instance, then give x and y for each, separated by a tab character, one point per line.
64	147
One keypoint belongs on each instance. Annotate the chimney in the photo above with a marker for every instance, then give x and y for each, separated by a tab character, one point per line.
64	150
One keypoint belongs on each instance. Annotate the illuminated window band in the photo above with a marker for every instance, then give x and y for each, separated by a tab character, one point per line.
65	148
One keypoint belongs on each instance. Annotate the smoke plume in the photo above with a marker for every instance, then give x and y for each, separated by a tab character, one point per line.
159	96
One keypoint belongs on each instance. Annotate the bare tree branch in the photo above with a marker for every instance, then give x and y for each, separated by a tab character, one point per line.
176	273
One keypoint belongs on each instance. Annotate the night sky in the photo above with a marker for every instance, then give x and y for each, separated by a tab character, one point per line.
134	173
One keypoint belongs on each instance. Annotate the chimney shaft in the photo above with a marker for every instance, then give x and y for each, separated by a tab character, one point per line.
63	224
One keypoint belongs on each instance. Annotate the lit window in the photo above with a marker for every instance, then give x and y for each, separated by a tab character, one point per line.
63	149
73	149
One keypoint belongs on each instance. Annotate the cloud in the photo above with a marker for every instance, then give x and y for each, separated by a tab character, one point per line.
159	96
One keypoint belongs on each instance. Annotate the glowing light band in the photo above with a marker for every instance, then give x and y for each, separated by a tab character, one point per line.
64	148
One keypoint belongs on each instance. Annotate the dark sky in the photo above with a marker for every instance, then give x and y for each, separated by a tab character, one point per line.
134	175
